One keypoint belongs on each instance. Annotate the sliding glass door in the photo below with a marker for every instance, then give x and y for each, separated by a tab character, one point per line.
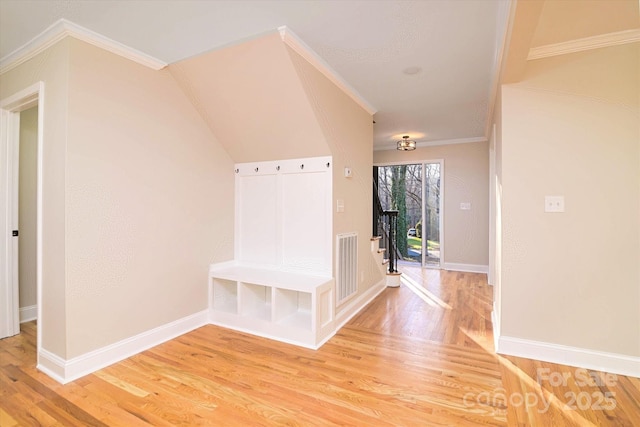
414	191
431	221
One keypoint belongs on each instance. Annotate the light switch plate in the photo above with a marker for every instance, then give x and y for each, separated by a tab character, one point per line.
554	204
465	206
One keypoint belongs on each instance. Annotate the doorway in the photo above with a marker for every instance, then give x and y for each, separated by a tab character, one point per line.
21	209
414	190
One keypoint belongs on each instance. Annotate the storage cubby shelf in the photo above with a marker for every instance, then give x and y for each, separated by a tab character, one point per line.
270	277
290	307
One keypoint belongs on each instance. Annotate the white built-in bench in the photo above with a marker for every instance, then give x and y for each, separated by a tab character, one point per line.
280	283
290	307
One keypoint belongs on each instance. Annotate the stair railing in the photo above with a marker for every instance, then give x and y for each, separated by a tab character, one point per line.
386	226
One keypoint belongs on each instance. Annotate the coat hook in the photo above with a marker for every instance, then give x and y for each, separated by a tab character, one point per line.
237	170
328	164
256	169
302	166
277	168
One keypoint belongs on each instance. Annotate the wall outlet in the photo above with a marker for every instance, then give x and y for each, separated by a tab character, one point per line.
554	204
339	205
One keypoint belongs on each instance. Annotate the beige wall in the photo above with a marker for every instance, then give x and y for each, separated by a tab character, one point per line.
570	127
348	130
138	192
27	206
265	102
253	101
466	179
149	201
50	67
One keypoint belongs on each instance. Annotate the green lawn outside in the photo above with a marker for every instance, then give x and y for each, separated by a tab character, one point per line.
416	243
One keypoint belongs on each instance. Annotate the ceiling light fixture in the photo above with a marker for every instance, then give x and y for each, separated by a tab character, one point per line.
406	144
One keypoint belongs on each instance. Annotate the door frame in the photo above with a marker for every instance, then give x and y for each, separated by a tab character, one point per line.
425	242
10	109
441	202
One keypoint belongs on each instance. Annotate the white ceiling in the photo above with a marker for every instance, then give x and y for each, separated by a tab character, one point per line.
455	43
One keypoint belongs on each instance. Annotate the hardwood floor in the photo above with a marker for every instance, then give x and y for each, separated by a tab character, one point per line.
418	355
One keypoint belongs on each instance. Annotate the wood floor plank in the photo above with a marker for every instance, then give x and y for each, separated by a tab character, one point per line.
418	355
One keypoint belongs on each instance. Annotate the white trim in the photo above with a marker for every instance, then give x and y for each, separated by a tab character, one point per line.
65	371
587	43
492	208
572	356
356	305
495	326
12	106
436	143
63	28
39	210
410	162
302	49
468	268
51	364
441	211
29	313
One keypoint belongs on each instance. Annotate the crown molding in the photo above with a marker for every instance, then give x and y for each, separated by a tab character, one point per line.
587	43
434	143
302	49
63	28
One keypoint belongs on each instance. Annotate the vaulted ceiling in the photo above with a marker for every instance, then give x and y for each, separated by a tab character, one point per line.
427	67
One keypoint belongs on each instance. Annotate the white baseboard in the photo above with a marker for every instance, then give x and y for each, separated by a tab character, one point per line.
495	326
29	313
467	268
355	305
571	356
65	371
51	364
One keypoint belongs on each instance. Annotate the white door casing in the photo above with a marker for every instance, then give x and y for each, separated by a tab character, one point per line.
10	109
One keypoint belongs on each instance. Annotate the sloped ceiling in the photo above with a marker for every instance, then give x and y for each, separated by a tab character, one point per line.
562	21
547	23
452	44
252	99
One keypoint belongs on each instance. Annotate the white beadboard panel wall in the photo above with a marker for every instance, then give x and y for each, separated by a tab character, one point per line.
257	211
306	219
284	214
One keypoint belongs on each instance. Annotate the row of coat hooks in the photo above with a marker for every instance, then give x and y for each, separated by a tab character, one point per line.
278	167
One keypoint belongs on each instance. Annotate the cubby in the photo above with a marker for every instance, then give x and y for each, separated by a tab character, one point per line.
290	307
224	295
255	301
293	308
